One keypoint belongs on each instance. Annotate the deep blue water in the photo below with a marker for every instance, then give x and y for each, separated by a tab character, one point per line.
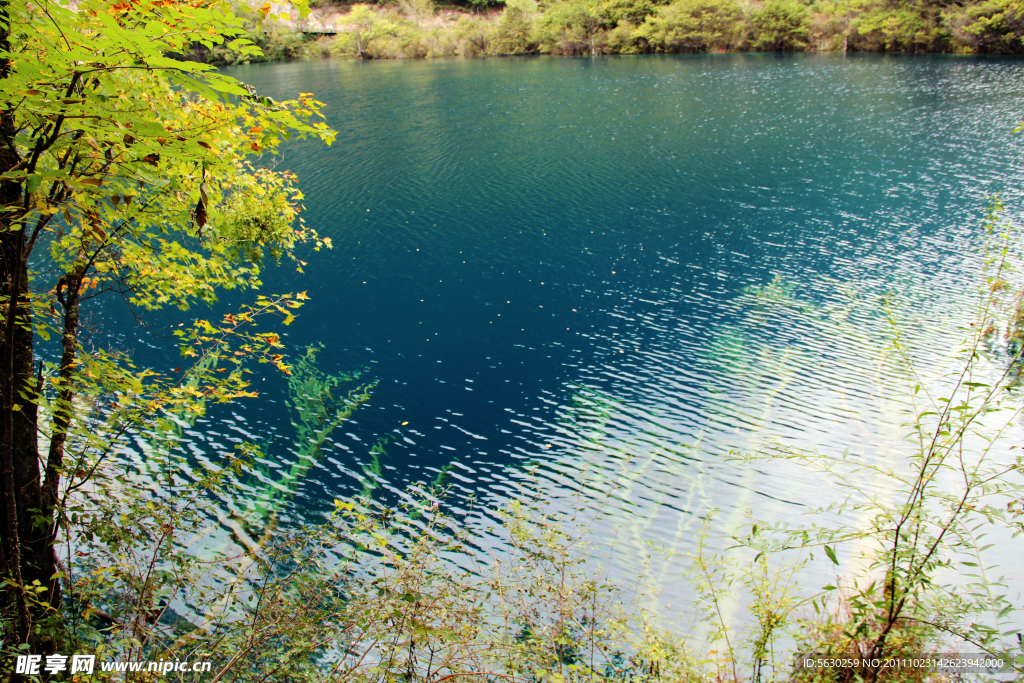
542	261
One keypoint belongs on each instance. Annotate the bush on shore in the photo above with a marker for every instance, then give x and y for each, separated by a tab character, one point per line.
410	30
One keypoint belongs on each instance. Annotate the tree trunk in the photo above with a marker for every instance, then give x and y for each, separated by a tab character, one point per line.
19	457
15	441
27	555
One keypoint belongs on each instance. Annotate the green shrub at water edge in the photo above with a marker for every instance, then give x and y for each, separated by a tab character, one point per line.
994	26
694	26
780	25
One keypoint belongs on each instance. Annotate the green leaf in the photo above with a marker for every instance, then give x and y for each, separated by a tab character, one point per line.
831	555
226	85
32	183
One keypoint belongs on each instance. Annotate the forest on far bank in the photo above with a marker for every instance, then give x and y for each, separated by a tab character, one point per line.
409	29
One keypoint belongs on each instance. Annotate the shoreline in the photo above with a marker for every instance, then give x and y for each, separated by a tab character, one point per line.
416	29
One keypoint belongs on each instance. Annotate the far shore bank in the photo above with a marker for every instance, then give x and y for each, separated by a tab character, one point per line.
417	29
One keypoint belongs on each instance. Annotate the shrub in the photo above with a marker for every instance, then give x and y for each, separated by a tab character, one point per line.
476	36
403	40
442	42
513	35
904	28
830	25
624	39
693	26
841	632
632	11
993	26
920	572
370	595
780	25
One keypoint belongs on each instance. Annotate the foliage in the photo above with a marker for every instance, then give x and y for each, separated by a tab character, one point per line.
407	29
482	5
371	594
831	637
907	28
417	9
780	25
513	34
275	43
475	36
630	11
400	41
129	168
367	27
774	600
693	26
925	521
624	39
572	27
134	581
993	26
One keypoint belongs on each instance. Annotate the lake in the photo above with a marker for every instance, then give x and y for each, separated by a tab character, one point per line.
593	279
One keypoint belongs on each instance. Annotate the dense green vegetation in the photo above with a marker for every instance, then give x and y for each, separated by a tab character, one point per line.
157	201
409	30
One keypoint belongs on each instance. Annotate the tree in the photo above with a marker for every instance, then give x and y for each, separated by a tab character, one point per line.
368	27
781	25
906	27
475	35
993	26
512	36
574	25
130	168
633	11
693	25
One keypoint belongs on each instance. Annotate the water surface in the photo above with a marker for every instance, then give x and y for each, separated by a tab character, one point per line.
597	277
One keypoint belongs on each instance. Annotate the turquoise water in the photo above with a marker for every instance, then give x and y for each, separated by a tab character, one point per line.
595	277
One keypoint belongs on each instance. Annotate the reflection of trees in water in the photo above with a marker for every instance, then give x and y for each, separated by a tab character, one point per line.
319	403
806	363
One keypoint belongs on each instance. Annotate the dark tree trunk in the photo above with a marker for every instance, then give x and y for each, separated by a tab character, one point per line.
15	442
26	553
19	458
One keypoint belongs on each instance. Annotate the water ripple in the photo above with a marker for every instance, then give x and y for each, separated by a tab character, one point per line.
596	279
